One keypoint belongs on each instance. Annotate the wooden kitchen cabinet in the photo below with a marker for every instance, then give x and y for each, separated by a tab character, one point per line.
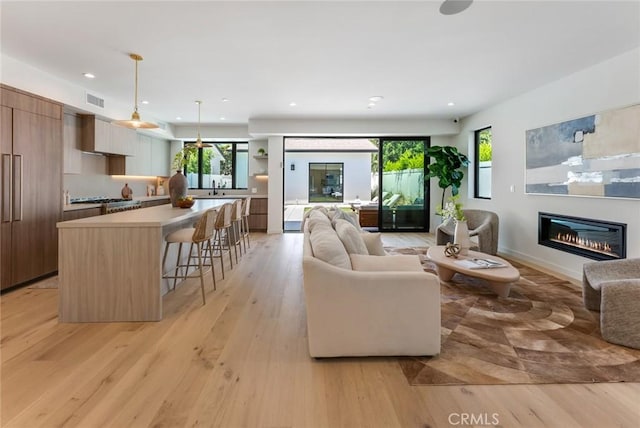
258	214
150	158
31	185
83	213
103	137
72	136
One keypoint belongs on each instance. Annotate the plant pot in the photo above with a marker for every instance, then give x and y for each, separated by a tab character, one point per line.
178	186
461	237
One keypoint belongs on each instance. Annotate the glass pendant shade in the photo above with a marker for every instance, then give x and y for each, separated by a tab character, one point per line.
199	142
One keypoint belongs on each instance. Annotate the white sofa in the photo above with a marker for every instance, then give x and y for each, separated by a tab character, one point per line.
366	305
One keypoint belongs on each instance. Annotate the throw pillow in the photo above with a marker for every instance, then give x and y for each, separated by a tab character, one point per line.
327	247
373	241
403	263
350	237
314	221
339	214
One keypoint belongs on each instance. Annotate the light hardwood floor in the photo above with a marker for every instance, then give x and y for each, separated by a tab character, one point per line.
241	360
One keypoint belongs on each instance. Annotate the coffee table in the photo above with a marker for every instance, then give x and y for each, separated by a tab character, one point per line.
499	279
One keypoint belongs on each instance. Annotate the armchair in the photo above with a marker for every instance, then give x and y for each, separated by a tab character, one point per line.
483	224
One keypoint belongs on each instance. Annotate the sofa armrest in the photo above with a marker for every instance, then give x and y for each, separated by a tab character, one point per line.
355	313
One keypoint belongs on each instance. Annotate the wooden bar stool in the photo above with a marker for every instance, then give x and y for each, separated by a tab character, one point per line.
236	220
221	237
246	206
199	235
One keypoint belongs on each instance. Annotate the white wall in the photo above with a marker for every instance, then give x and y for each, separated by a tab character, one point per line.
608	85
357	174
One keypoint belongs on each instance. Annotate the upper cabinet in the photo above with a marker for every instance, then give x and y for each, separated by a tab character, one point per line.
150	158
72	155
103	137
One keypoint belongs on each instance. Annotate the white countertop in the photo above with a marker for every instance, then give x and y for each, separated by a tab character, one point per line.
157	216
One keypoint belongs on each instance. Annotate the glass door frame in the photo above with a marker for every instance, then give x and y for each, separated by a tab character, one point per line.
426	190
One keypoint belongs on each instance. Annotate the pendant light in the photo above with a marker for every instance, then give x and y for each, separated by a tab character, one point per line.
199	142
135	122
453	7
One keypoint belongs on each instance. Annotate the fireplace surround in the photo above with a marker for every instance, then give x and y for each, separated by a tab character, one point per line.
594	239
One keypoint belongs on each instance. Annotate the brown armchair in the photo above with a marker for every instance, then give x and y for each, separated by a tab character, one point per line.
483	224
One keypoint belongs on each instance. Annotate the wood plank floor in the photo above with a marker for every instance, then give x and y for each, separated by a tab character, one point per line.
242	361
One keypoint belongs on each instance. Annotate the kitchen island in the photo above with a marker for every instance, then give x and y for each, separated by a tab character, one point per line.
110	266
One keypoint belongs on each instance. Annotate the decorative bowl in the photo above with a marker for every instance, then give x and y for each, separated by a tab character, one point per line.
186	203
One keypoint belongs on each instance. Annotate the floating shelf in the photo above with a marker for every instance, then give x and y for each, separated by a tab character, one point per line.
260	157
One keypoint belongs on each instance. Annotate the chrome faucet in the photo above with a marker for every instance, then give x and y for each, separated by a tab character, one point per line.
213	184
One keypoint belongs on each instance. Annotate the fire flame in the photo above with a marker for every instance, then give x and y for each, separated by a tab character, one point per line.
584	243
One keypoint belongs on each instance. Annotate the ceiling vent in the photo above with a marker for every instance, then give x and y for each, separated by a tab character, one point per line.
95	100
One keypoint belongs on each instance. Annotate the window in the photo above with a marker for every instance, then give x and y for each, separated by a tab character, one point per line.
325	182
221	166
482	164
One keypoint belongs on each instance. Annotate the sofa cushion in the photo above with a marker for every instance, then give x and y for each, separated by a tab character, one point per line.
373	241
350	237
327	246
405	263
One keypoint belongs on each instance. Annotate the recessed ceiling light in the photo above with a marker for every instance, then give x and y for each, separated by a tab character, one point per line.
450	104
376	98
89	75
222	118
145	102
224	100
372	104
178	118
292	104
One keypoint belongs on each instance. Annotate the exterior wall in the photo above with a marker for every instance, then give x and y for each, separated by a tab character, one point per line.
357	175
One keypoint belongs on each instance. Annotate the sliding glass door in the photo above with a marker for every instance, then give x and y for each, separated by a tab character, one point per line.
401	199
326	182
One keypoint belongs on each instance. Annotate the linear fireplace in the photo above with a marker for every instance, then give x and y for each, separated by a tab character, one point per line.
594	239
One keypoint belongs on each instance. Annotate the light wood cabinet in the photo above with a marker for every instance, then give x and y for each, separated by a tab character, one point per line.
72	136
31	153
151	158
103	137
258	214
84	213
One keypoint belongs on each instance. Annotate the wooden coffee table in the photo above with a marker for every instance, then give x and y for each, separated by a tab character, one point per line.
499	279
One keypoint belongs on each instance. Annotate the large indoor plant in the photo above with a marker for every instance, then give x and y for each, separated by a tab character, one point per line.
446	165
178	183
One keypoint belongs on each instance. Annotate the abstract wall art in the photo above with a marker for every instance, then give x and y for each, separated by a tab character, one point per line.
597	155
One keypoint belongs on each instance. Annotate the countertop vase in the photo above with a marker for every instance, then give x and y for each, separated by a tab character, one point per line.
178	186
461	237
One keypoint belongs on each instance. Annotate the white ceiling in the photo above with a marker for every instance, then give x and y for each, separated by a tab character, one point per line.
328	57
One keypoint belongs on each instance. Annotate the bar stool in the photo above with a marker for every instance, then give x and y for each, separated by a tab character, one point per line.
246	206
221	236
237	226
199	235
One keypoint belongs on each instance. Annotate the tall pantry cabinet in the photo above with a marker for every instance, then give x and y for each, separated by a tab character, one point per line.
30	184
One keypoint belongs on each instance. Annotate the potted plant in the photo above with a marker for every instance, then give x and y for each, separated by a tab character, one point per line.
178	183
446	166
262	152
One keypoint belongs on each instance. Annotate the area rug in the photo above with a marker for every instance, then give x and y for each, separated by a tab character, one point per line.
541	333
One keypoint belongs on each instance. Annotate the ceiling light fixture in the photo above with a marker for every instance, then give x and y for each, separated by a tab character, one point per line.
199	143
222	118
376	98
178	118
224	100
89	75
452	7
450	104
145	102
292	104
135	122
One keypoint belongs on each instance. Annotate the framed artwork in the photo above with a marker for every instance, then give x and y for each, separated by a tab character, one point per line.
597	155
